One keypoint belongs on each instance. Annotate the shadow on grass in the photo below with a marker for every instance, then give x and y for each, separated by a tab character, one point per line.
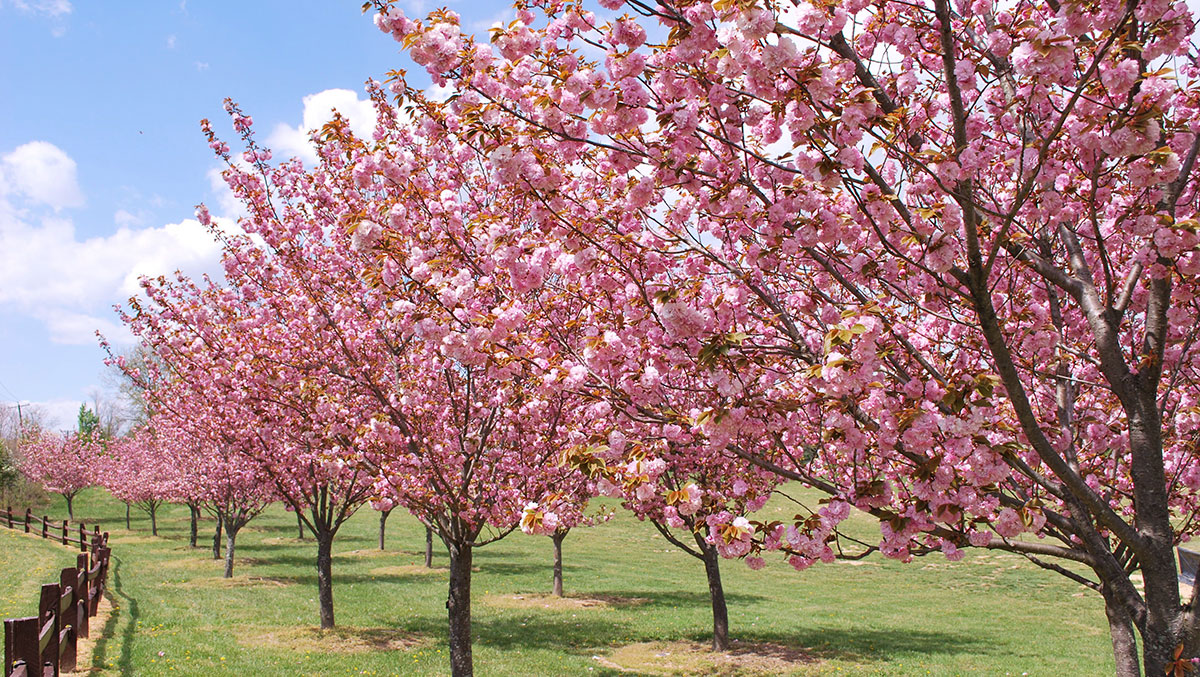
864	645
107	633
660	598
340	578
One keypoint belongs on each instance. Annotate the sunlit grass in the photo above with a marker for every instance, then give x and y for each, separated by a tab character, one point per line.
635	596
26	563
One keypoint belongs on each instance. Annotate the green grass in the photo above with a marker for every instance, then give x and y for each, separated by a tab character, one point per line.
26	562
991	614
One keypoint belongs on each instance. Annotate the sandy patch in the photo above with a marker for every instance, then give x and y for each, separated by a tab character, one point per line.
86	645
235	582
412	570
537	601
744	659
285	540
207	562
337	640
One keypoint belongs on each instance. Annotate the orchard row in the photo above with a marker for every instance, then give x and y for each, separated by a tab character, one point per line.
935	260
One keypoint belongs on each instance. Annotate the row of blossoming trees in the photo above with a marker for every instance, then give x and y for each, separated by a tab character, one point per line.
935	260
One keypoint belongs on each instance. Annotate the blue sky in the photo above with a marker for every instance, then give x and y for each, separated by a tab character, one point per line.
102	161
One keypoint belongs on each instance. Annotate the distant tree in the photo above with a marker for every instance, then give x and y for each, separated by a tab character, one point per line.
8	468
15	489
88	423
63	464
128	395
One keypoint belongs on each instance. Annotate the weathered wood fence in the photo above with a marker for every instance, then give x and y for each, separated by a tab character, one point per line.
45	645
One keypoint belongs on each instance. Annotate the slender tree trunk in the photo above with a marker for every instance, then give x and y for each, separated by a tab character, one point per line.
558	539
1160	634
383	515
428	548
127	517
458	604
70	506
325	577
299	527
1124	642
193	535
217	537
712	567
230	537
153	520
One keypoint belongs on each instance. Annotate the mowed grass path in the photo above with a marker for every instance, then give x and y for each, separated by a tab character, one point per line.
990	614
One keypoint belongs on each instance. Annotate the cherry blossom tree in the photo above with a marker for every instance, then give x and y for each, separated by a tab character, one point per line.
962	238
138	470
62	463
694	500
276	414
195	436
556	513
417	344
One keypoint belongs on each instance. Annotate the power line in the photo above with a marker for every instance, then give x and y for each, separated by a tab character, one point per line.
10	392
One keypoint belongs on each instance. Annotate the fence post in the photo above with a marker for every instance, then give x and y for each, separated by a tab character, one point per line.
97	580
68	633
28	518
21	645
82	596
45	527
82	538
66	533
10	517
48	622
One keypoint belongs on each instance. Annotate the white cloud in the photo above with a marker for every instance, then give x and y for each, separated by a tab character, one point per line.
171	40
126	219
287	141
201	66
79	329
46	266
53	8
60	414
439	92
42	173
68	283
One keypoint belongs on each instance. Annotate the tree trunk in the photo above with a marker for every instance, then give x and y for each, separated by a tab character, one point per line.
383	515
1160	577
127	527
299	526
712	567
195	525
458	604
558	539
70	507
1124	642
217	537
230	537
428	548
154	520
325	577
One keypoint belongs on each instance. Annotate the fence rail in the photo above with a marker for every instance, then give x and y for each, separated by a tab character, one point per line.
49	639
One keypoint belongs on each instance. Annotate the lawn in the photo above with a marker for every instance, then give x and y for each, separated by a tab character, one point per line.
631	598
26	562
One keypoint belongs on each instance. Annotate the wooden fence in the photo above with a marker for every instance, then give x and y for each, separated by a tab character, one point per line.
49	639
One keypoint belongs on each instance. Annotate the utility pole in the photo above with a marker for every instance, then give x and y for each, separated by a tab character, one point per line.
20	416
